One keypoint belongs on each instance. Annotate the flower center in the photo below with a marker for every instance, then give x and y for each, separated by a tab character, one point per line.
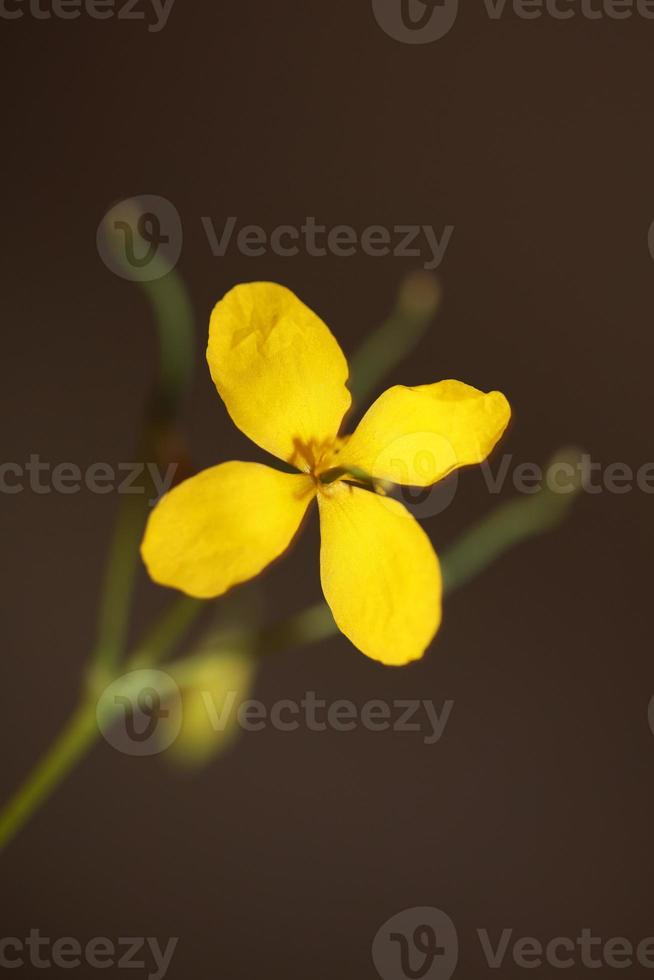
321	462
316	458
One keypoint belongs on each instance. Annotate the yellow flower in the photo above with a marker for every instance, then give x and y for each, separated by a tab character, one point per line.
282	376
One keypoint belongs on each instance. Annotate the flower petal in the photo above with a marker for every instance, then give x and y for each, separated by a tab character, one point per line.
278	369
223	526
416	436
379	573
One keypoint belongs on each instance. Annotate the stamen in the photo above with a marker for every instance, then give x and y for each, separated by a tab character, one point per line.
338	472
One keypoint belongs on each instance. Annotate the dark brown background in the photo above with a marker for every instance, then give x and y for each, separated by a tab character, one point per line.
533	138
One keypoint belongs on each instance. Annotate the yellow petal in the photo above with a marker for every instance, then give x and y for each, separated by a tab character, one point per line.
278	369
416	436
379	573
223	526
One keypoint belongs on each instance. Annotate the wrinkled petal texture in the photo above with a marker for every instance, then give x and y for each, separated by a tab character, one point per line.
223	526
379	573
416	436
278	369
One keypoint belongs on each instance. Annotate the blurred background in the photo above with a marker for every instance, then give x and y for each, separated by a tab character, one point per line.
534	140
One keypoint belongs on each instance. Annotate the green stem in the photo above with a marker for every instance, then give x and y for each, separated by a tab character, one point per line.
173	316
510	524
504	528
77	737
81	732
417	304
170	628
122	565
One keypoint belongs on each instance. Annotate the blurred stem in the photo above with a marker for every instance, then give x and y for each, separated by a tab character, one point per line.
172	626
81	731
173	315
78	736
171	308
417	303
504	528
511	523
484	543
309	626
119	579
